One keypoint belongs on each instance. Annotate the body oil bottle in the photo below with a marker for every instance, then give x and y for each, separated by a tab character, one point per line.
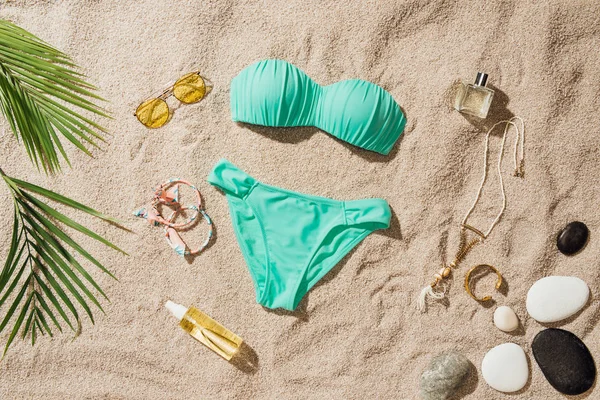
206	330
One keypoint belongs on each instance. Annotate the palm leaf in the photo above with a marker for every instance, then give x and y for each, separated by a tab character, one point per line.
48	312
48	293
61	199
21	317
41	276
40	95
46	102
41	318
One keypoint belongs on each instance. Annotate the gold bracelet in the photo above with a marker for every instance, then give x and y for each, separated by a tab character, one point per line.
468	278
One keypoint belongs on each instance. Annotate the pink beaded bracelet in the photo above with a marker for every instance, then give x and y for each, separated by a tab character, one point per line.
168	194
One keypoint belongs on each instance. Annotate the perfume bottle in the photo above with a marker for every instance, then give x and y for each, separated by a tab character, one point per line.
474	99
206	330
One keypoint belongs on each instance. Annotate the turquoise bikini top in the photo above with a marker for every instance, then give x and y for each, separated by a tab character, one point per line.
276	93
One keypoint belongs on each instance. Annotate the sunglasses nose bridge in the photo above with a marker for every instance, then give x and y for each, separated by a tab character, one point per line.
166	94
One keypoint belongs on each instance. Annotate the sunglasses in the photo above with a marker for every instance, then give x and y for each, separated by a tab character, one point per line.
189	89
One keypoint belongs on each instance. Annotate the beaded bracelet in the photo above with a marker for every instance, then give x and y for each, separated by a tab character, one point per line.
168	194
174	239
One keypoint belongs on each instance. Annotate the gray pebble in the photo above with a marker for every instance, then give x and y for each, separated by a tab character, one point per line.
445	374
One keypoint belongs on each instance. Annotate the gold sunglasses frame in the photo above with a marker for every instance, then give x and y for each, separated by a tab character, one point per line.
170	91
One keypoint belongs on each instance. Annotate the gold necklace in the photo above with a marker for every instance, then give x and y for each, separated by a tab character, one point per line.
465	245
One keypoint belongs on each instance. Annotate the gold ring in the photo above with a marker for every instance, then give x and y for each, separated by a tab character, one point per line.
468	278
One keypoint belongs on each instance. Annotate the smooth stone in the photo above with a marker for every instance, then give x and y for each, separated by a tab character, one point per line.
446	373
505	368
505	319
565	361
555	298
572	238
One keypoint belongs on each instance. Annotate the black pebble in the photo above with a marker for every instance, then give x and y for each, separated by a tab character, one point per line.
565	361
572	238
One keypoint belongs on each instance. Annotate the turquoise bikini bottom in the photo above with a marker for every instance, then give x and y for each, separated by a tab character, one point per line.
291	240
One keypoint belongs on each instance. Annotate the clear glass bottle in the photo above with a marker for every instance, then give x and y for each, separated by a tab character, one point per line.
474	99
206	330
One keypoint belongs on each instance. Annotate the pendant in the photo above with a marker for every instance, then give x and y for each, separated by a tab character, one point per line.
464	247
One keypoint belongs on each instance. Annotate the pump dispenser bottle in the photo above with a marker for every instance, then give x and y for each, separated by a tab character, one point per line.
474	99
206	330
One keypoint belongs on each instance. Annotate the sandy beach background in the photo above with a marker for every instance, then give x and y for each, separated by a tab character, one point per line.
357	334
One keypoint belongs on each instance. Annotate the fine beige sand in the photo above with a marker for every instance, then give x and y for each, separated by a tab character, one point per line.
357	335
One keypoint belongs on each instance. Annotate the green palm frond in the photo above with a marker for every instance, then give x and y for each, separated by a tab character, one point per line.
41	279
43	283
39	93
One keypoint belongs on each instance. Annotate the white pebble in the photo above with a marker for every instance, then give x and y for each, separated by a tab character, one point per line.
505	319
555	298
505	368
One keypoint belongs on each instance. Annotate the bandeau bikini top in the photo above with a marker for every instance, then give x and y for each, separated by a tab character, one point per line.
277	93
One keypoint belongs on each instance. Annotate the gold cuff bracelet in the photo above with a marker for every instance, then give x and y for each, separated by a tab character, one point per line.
468	279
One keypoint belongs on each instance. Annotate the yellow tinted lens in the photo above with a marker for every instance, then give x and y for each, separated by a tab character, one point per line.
189	88
153	113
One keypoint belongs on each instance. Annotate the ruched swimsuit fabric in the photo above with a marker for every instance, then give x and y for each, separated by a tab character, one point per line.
291	240
276	93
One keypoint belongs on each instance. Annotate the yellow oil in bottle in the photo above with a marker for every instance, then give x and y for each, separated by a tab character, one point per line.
210	333
206	330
